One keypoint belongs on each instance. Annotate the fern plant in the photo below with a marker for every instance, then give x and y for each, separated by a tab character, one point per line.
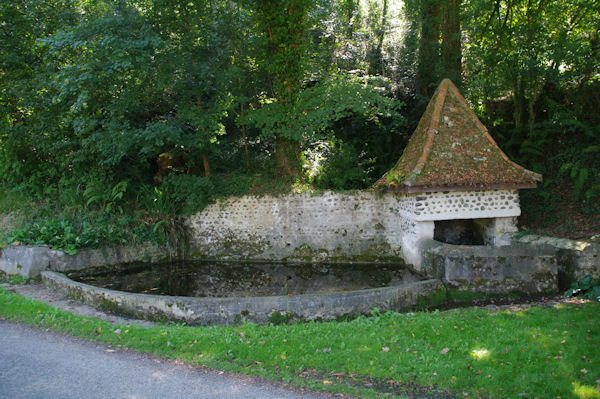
107	200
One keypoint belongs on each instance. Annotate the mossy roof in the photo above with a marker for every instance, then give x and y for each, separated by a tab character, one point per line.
451	150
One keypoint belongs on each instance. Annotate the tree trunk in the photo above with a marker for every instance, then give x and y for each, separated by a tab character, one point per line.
519	101
285	25
376	54
451	45
429	48
206	165
287	157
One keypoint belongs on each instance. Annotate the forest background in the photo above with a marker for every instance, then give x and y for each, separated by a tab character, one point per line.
118	116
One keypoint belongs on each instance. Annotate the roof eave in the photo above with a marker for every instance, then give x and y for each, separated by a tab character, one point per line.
401	188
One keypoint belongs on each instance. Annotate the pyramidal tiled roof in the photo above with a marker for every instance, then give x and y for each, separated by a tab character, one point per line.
451	150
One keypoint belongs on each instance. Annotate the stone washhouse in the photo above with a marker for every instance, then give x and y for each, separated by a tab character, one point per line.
454	183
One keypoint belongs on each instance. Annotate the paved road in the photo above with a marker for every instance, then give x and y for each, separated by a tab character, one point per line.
41	364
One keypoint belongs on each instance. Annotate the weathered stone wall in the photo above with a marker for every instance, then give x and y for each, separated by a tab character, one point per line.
212	310
516	268
30	261
358	227
575	258
363	226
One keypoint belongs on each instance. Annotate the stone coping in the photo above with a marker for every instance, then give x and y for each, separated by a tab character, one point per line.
497	270
226	311
560	243
575	258
29	261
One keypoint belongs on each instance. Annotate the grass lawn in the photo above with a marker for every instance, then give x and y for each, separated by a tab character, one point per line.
540	352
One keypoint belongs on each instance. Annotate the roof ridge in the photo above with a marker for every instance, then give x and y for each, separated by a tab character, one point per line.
433	126
451	149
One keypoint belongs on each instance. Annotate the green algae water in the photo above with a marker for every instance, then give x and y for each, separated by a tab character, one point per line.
225	279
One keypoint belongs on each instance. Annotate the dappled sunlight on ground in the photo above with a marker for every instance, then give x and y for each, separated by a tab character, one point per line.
480	354
586	391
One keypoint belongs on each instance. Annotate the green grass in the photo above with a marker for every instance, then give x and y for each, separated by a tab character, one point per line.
538	352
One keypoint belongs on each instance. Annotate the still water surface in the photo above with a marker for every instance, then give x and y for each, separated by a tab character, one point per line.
219	279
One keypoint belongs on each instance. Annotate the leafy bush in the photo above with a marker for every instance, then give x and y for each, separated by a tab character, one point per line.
106	199
186	193
65	236
344	167
318	108
587	288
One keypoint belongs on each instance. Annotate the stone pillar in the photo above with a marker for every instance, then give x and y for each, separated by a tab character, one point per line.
412	242
497	231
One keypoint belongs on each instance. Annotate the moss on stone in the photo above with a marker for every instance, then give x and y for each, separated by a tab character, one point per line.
277	317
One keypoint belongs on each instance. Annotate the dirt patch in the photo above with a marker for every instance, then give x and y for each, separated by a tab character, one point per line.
516	304
382	386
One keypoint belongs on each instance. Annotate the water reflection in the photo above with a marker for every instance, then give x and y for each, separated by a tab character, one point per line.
212	279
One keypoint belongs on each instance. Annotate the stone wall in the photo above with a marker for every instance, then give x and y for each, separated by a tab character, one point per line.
575	258
365	227
30	261
262	309
516	268
466	205
360	226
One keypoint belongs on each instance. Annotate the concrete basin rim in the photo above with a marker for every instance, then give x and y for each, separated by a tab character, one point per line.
221	300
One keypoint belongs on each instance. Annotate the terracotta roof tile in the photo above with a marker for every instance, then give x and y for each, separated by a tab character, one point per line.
451	150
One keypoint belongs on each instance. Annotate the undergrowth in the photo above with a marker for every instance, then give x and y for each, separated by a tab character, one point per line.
92	216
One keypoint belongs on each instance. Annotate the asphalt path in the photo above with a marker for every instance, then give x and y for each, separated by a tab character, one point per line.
46	365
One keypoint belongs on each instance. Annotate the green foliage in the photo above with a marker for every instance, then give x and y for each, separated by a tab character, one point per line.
110	93
344	167
587	288
65	236
277	318
585	179
106	199
17	279
318	108
92	92
284	24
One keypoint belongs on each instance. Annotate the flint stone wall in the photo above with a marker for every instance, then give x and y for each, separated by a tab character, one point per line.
302	227
361	226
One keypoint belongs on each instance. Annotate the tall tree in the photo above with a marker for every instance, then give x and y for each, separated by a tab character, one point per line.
440	54
429	47
451	41
285	24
